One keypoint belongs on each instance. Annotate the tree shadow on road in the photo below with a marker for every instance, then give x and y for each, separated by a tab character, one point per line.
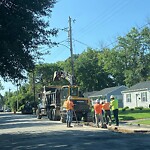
74	139
17	121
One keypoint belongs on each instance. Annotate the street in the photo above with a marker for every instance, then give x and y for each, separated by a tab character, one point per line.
22	132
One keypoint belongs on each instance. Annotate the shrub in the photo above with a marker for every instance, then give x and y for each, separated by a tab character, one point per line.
140	108
125	108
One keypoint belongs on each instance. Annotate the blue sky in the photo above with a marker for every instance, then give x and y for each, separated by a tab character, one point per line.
97	22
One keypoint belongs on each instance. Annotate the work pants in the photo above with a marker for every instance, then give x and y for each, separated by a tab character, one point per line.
115	113
99	118
107	116
69	116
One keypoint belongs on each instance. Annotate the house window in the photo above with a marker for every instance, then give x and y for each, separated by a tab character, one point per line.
144	96
128	98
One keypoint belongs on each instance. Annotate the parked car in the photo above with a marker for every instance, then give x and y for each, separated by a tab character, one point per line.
27	109
8	110
1	110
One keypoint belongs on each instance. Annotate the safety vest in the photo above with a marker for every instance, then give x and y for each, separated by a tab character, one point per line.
106	106
98	108
114	104
69	105
65	104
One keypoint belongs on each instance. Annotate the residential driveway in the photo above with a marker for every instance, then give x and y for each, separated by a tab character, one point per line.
22	132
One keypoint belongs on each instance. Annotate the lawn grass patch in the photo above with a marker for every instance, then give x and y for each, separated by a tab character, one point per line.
145	122
134	114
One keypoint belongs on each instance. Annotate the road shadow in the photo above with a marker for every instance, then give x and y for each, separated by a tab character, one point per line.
73	140
17	121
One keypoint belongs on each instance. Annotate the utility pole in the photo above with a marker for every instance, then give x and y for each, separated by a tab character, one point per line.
71	49
18	88
17	97
33	77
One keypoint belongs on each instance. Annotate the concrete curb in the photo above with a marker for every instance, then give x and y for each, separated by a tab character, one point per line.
128	129
123	128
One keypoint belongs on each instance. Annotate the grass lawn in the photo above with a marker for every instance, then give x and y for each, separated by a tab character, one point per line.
145	122
134	115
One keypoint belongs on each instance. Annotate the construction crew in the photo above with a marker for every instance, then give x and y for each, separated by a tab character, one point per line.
114	107
69	107
107	112
98	113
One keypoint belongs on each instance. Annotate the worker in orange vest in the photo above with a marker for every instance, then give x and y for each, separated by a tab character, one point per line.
98	113
69	108
107	112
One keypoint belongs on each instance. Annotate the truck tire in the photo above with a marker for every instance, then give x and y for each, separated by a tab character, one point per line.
79	117
54	118
38	114
85	117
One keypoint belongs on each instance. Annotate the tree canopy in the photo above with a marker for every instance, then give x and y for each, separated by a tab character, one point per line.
22	30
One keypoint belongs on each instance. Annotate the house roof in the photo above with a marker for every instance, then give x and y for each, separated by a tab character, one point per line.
89	93
105	91
139	86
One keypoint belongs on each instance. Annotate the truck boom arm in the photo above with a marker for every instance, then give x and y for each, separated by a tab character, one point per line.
62	74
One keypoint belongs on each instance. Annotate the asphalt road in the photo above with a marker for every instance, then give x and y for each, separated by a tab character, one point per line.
25	132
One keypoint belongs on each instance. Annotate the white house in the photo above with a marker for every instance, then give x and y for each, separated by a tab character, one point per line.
137	95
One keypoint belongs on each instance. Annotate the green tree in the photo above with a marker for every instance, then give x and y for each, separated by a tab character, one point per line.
22	29
144	57
111	61
43	76
89	74
67	64
134	50
1	86
19	97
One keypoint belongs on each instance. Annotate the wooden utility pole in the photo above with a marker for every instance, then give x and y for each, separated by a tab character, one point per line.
33	76
71	49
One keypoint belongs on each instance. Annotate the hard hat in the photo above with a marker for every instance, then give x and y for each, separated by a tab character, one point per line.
111	97
97	100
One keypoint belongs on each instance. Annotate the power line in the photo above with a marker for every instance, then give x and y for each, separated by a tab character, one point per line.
81	43
124	35
105	18
112	43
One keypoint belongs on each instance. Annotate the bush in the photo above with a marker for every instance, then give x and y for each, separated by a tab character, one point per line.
125	108
139	108
132	109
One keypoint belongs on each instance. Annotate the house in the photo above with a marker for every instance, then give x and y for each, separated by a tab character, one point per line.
104	95
137	95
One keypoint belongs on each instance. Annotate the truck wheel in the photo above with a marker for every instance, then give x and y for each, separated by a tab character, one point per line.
38	114
54	115
79	116
85	118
